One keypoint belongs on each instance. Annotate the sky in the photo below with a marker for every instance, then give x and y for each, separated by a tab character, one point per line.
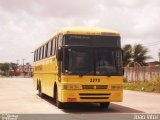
24	24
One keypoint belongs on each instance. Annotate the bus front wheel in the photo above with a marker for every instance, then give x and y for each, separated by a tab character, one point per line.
59	104
104	105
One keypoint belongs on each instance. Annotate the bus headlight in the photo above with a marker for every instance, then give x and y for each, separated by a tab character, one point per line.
70	87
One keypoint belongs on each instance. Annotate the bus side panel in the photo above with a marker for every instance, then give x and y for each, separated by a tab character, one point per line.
46	72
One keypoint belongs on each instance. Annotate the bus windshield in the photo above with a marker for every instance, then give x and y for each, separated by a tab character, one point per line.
108	62
79	61
93	61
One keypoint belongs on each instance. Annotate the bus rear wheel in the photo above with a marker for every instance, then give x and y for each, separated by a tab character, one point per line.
40	91
59	104
104	105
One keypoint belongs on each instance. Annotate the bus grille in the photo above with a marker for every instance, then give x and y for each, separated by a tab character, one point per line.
94	86
87	87
94	95
101	86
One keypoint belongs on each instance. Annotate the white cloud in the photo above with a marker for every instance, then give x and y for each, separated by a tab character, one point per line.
26	23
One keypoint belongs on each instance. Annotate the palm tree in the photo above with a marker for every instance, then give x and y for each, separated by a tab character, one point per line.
127	54
139	54
136	54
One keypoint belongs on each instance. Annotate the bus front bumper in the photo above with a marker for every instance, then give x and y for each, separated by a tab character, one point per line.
91	96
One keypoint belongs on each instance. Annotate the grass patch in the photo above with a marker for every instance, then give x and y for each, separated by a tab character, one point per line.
147	86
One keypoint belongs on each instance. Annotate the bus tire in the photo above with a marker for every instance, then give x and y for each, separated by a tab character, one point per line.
104	105
40	91
59	104
37	85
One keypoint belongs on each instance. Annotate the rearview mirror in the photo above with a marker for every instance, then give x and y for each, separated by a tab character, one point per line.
59	55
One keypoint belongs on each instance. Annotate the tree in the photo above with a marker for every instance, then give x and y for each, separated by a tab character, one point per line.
127	54
140	54
13	66
136	54
5	68
0	65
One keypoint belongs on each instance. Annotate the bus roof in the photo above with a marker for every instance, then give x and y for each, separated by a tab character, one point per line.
89	31
82	31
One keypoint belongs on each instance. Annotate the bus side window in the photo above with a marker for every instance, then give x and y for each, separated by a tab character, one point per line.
51	47
54	44
39	53
46	50
60	37
34	56
42	52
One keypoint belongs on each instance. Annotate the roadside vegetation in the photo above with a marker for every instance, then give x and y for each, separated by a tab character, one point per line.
147	86
134	57
5	67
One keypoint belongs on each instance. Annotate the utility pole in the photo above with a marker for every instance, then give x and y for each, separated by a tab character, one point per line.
17	63
16	68
23	67
159	55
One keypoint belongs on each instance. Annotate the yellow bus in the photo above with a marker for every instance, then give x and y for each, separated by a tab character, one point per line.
80	64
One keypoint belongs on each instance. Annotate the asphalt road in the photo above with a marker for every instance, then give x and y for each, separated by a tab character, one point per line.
17	95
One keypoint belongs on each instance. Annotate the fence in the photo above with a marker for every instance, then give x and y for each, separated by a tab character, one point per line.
141	73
